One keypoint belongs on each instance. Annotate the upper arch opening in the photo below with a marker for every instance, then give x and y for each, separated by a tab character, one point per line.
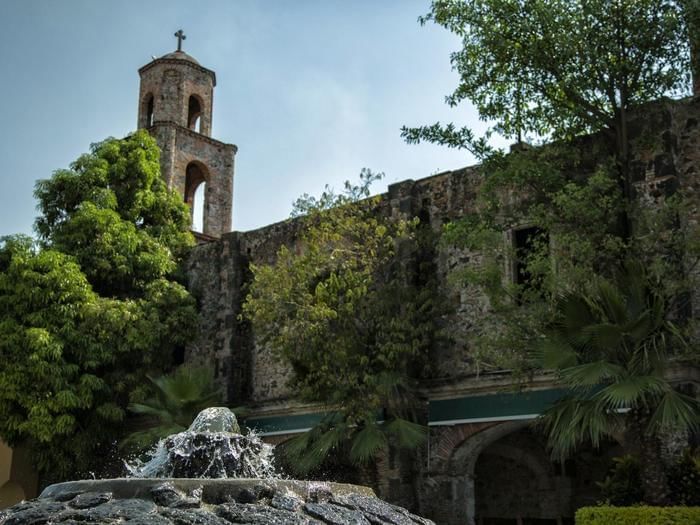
194	113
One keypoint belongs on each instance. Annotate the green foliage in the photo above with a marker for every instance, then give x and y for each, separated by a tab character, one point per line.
87	314
605	515
622	486
175	400
558	68
112	211
354	321
611	345
684	479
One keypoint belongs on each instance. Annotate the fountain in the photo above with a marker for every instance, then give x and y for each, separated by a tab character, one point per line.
209	474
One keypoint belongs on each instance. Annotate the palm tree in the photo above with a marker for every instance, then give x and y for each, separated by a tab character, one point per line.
612	346
176	400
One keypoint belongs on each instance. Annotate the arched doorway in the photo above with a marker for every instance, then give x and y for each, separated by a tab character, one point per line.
508	478
196	176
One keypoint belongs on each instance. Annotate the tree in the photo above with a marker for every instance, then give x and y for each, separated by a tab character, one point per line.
561	69
612	346
353	320
571	73
93	308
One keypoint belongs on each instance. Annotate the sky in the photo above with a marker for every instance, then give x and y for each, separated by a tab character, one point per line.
311	91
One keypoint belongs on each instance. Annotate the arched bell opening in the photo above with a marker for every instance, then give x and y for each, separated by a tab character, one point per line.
147	111
194	113
195	194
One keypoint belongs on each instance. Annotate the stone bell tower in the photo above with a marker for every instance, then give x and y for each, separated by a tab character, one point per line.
175	106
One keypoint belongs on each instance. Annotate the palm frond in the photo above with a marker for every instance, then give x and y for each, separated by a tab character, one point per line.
610	302
630	391
676	410
605	337
554	354
407	433
572	421
588	375
366	443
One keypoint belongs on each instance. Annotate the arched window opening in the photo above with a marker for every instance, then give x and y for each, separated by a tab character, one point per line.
195	194
198	208
148	106
194	114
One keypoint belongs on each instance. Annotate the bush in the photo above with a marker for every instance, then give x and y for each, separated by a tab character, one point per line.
623	485
638	516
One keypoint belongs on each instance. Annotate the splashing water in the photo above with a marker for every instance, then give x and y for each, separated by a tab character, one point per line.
211	448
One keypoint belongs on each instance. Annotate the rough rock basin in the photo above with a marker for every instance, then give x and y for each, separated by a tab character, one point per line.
211	447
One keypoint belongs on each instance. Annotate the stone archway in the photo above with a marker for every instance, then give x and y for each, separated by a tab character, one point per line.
503	475
465	456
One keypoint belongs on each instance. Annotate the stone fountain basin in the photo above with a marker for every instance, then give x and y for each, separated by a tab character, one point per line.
213	491
202	501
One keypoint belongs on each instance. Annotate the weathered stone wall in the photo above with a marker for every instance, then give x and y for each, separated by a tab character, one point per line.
439	481
666	154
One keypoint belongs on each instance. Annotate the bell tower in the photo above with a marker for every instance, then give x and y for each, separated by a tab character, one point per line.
175	105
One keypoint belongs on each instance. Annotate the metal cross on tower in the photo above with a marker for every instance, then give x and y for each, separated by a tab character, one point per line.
180	37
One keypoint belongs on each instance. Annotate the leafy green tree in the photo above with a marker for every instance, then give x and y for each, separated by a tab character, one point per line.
560	71
175	400
612	346
560	68
92	309
113	212
353	320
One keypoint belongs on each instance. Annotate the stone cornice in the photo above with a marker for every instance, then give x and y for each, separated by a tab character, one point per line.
178	62
192	133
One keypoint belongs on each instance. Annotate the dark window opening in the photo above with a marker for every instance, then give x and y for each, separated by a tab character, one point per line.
194	114
148	111
528	242
179	355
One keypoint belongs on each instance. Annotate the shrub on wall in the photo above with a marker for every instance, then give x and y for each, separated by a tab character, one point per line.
638	515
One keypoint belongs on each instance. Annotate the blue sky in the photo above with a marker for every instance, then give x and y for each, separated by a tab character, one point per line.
310	91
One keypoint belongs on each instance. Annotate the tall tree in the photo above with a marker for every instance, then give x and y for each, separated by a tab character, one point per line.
354	322
558	71
93	308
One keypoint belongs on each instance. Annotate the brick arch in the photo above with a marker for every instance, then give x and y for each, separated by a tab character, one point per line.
457	450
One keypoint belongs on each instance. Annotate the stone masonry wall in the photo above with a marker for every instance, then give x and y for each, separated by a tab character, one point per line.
666	145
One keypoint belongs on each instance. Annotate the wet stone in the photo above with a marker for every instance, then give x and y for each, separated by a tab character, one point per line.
335	515
192	517
90	499
166	495
152	519
375	510
320	494
286	502
259	515
67	496
124	508
37	513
